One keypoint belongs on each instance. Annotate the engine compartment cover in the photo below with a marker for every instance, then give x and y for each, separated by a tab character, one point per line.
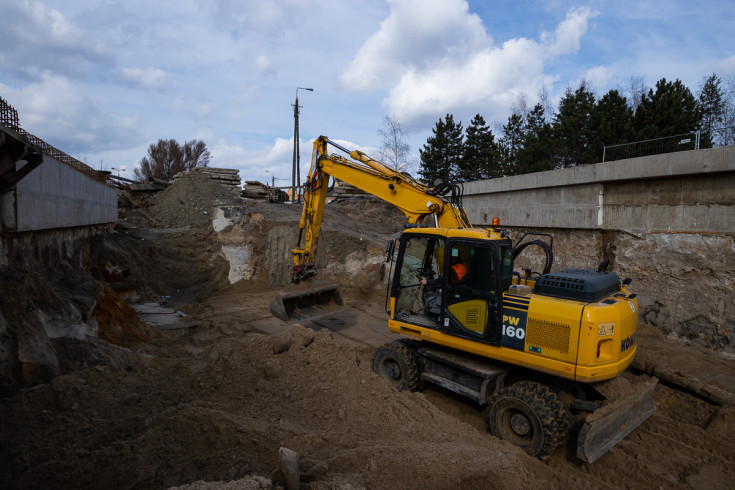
578	284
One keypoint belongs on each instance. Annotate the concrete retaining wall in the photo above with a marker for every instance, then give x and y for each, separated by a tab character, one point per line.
55	195
666	221
692	191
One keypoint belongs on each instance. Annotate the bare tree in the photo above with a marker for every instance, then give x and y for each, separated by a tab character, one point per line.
394	150
522	106
728	116
545	100
636	89
167	158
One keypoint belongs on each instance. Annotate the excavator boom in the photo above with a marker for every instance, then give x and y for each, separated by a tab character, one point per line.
416	200
413	198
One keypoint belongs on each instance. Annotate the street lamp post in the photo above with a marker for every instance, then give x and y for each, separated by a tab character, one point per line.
118	171
270	191
296	171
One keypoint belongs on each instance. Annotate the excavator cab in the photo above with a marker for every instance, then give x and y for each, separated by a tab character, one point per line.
452	283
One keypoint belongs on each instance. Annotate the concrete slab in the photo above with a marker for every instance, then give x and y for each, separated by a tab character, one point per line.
702	371
162	317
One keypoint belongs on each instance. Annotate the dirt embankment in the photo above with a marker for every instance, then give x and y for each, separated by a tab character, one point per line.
215	401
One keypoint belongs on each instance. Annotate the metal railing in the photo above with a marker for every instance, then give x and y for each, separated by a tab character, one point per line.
667	144
9	119
8	115
670	144
58	155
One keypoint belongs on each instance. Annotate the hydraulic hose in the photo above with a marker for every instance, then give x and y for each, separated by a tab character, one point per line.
544	246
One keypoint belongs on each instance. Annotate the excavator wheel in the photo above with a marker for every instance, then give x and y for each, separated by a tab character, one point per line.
397	363
529	415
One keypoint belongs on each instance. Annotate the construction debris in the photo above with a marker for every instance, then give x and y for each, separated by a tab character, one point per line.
257	191
343	190
227	177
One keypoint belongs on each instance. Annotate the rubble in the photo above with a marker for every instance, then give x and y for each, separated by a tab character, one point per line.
227	177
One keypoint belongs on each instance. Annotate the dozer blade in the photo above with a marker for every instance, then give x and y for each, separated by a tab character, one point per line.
610	424
307	304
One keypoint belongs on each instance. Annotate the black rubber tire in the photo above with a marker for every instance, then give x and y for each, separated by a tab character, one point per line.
529	415
397	363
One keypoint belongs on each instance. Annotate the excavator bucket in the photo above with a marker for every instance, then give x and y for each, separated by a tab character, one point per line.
307	304
611	423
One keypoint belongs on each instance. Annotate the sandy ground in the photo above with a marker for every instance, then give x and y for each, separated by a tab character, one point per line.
212	401
207	397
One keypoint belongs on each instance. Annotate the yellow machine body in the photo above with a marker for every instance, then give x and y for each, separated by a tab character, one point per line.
573	339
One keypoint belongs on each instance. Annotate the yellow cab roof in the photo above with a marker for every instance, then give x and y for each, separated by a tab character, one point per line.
475	233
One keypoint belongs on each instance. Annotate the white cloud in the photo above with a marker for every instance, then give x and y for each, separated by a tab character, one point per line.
274	160
440	60
55	109
243	18
414	36
488	80
153	78
265	65
43	40
567	36
252	164
599	76
726	66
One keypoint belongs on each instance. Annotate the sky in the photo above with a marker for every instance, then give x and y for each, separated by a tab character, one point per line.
102	80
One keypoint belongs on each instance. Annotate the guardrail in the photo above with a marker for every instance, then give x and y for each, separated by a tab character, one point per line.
9	119
656	146
669	144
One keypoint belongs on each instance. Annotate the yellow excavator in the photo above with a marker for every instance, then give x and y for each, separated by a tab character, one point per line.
543	351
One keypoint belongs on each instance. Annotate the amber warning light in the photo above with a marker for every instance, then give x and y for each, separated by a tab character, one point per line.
496	221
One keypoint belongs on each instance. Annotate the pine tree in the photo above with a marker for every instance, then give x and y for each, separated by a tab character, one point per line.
611	123
537	152
572	126
670	110
480	158
511	145
442	153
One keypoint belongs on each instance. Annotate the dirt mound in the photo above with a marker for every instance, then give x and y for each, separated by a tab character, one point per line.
188	202
223	413
117	322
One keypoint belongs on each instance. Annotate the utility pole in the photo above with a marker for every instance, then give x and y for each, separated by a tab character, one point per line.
270	191
296	170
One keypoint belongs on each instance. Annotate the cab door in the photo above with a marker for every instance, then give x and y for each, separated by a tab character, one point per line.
472	303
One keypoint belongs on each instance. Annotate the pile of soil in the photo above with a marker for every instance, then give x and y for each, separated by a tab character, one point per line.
216	399
218	407
188	202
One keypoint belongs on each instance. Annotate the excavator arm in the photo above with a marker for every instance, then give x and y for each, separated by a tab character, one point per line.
416	200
